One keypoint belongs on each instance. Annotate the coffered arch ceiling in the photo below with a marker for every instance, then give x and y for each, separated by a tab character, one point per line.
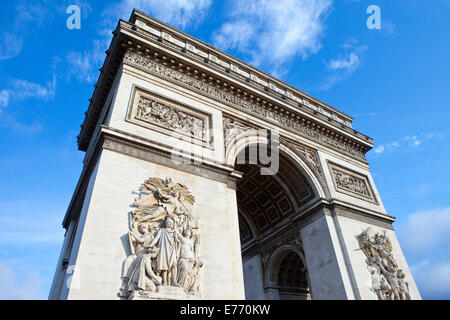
265	201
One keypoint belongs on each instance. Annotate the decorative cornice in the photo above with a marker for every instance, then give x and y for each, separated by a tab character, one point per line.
267	112
205	53
166	40
121	142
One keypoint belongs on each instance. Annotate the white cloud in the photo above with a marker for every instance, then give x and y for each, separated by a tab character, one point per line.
351	63
18	282
22	90
27	16
345	64
379	149
425	241
274	31
432	279
84	65
388	146
412	141
407	141
179	13
4	98
426	232
10	45
25	89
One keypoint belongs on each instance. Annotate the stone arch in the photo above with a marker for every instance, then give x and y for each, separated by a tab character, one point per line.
312	173
267	204
278	265
246	223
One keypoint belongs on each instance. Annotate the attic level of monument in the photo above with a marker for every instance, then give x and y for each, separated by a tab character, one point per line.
154	47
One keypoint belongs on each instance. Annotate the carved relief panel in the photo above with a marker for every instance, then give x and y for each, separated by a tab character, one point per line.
169	117
351	183
163	241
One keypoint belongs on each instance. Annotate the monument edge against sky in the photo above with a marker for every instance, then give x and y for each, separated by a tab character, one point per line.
145	223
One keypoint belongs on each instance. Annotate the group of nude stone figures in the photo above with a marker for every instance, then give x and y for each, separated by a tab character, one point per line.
388	281
164	241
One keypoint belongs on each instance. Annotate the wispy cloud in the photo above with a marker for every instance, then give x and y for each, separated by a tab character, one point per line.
426	232
274	31
29	16
25	89
4	98
421	190
84	65
413	141
345	64
20	282
433	279
179	13
22	90
11	45
13	124
425	242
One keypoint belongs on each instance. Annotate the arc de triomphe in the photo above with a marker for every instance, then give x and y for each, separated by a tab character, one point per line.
206	178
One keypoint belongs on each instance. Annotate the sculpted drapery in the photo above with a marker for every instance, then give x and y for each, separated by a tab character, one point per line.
388	281
163	241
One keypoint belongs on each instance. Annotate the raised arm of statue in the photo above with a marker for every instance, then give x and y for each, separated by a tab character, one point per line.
155	239
162	196
137	238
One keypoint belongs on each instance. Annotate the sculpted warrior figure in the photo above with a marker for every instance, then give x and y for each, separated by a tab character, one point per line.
387	280
144	110
391	276
403	286
376	277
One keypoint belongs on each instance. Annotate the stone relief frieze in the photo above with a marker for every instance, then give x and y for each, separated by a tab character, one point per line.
164	239
351	183
150	66
311	157
309	154
388	281
233	128
154	110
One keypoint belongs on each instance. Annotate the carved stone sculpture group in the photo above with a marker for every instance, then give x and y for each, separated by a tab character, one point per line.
170	117
388	281
163	242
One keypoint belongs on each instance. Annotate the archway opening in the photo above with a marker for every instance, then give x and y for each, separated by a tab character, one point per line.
289	278
267	206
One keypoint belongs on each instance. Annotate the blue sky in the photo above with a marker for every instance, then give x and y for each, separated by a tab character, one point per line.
394	81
